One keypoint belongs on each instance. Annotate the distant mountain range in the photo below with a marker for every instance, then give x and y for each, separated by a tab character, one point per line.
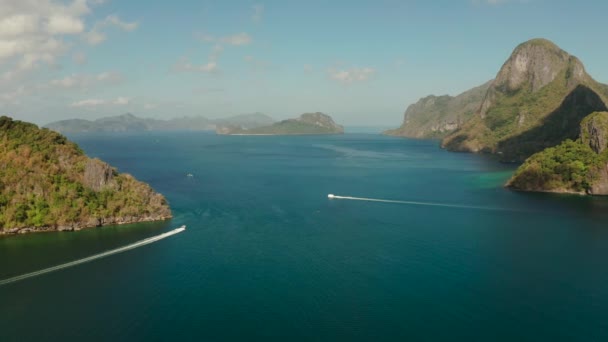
131	123
307	123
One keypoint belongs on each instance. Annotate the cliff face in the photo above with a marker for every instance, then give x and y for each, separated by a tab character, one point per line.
538	99
437	116
579	166
47	183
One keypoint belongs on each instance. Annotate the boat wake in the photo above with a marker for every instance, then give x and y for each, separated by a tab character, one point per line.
430	204
95	257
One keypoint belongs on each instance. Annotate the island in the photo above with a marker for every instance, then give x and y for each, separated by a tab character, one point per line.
47	183
575	166
306	124
131	123
542	109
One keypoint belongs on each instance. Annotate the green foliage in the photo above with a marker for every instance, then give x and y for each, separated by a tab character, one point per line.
42	183
571	166
304	125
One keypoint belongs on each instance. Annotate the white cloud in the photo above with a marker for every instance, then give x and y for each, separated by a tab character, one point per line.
18	24
119	101
258	13
216	51
32	31
351	75
237	39
185	65
112	77
79	58
114	20
35	33
96	35
88	103
85	81
64	24
13	96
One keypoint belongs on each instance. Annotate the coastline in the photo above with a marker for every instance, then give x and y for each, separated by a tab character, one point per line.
278	134
83	225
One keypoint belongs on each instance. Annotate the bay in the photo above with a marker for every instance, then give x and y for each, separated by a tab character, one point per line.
267	256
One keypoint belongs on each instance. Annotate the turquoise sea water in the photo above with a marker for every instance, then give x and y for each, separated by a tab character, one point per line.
267	256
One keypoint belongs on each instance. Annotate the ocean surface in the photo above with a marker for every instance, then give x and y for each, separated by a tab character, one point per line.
267	256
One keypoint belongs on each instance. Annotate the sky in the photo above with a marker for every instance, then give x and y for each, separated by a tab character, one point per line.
362	62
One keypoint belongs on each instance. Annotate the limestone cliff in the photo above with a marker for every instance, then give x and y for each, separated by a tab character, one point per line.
47	183
579	166
537	100
437	116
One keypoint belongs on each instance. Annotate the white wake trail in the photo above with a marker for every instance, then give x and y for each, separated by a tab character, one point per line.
430	204
94	257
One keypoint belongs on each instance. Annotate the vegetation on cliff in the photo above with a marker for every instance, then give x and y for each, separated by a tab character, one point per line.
537	100
437	116
579	166
48	183
308	123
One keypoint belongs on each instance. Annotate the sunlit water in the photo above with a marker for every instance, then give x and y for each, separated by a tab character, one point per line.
267	256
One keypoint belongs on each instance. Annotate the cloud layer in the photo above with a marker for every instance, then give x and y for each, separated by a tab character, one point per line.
349	76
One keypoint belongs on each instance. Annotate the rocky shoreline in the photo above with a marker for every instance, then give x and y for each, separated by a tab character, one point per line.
92	223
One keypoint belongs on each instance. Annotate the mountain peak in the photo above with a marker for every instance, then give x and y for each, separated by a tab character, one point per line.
535	64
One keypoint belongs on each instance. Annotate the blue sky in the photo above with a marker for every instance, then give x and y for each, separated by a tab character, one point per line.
363	62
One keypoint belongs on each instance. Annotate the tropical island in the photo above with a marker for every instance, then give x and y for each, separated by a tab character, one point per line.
131	123
305	124
47	183
579	166
542	99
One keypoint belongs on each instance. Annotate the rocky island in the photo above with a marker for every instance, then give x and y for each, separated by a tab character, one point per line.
47	183
306	124
542	108
538	99
579	166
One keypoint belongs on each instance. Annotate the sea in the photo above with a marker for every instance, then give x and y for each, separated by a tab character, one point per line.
267	256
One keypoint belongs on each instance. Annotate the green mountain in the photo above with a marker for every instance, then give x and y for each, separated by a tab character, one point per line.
246	121
437	116
537	100
308	123
579	166
131	123
48	183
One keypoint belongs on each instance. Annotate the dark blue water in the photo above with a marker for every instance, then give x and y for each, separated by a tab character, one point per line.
267	256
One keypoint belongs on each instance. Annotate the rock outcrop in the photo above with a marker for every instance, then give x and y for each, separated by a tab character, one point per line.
98	175
579	166
47	183
437	116
305	124
537	100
